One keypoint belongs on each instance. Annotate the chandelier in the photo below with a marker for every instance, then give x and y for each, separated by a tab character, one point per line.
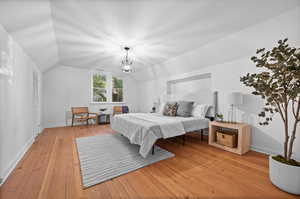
126	62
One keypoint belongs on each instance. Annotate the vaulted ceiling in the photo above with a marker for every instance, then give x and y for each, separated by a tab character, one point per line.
91	34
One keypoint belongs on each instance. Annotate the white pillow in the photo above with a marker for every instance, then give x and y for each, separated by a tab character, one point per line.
161	108
200	110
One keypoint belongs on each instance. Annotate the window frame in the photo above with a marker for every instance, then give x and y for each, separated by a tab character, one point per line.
109	87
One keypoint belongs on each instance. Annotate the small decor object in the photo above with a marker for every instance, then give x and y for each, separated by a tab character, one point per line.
170	109
102	110
234	99
153	109
219	117
279	86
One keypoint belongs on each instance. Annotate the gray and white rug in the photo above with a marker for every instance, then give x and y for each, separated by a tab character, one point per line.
107	156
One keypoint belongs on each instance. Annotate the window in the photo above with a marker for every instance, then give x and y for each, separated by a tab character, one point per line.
106	88
117	90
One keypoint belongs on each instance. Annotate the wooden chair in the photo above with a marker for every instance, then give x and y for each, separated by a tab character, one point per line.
120	109
82	114
117	110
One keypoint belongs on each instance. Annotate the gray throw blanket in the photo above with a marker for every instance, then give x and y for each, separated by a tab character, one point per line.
144	129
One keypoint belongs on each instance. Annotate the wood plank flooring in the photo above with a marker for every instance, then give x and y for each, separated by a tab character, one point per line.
50	170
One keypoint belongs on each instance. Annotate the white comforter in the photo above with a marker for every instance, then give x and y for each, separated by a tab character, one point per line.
144	128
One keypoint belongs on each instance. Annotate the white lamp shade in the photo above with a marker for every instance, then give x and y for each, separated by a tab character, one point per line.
235	98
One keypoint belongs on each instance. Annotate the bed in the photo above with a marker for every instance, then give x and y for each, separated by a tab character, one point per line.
145	129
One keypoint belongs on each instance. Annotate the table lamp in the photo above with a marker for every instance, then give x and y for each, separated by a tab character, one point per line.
234	99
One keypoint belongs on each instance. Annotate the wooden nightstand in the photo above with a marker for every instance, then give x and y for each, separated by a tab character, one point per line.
243	133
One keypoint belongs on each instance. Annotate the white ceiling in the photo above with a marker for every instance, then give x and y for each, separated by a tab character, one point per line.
91	34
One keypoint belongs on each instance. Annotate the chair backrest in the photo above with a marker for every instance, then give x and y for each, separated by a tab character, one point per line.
120	109
117	110
125	109
79	110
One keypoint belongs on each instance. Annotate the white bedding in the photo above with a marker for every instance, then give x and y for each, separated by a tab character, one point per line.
145	128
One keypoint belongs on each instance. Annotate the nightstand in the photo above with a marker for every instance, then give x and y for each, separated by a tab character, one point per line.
242	130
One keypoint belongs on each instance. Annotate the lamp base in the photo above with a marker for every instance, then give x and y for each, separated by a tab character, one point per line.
232	114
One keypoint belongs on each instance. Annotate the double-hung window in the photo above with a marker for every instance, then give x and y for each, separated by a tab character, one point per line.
106	88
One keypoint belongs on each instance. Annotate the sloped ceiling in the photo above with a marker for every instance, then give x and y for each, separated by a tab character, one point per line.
31	25
91	34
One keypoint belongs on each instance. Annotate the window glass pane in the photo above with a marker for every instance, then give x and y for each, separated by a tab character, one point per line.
99	88
99	95
99	81
117	83
117	92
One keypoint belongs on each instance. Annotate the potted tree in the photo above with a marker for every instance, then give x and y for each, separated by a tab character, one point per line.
278	84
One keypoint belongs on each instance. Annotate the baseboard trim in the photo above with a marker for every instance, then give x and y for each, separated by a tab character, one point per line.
16	160
264	150
60	124
54	124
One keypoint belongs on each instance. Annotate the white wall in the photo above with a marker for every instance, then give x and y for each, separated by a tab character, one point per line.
239	47
19	115
189	89
65	87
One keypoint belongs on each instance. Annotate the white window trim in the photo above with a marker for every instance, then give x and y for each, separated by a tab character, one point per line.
108	88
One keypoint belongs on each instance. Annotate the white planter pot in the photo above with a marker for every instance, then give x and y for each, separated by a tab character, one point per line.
285	177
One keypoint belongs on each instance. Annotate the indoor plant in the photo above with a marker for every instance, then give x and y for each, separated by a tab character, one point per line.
219	117
278	83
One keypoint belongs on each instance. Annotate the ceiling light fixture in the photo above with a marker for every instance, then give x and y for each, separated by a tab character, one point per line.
126	62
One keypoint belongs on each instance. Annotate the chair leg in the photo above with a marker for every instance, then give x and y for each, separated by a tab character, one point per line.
183	140
87	122
72	120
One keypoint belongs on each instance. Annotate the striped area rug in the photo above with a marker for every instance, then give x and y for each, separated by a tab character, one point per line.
107	156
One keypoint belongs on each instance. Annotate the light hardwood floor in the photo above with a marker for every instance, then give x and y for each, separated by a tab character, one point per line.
50	169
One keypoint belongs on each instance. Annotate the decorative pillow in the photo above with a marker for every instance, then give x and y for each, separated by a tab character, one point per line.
170	109
185	108
200	110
